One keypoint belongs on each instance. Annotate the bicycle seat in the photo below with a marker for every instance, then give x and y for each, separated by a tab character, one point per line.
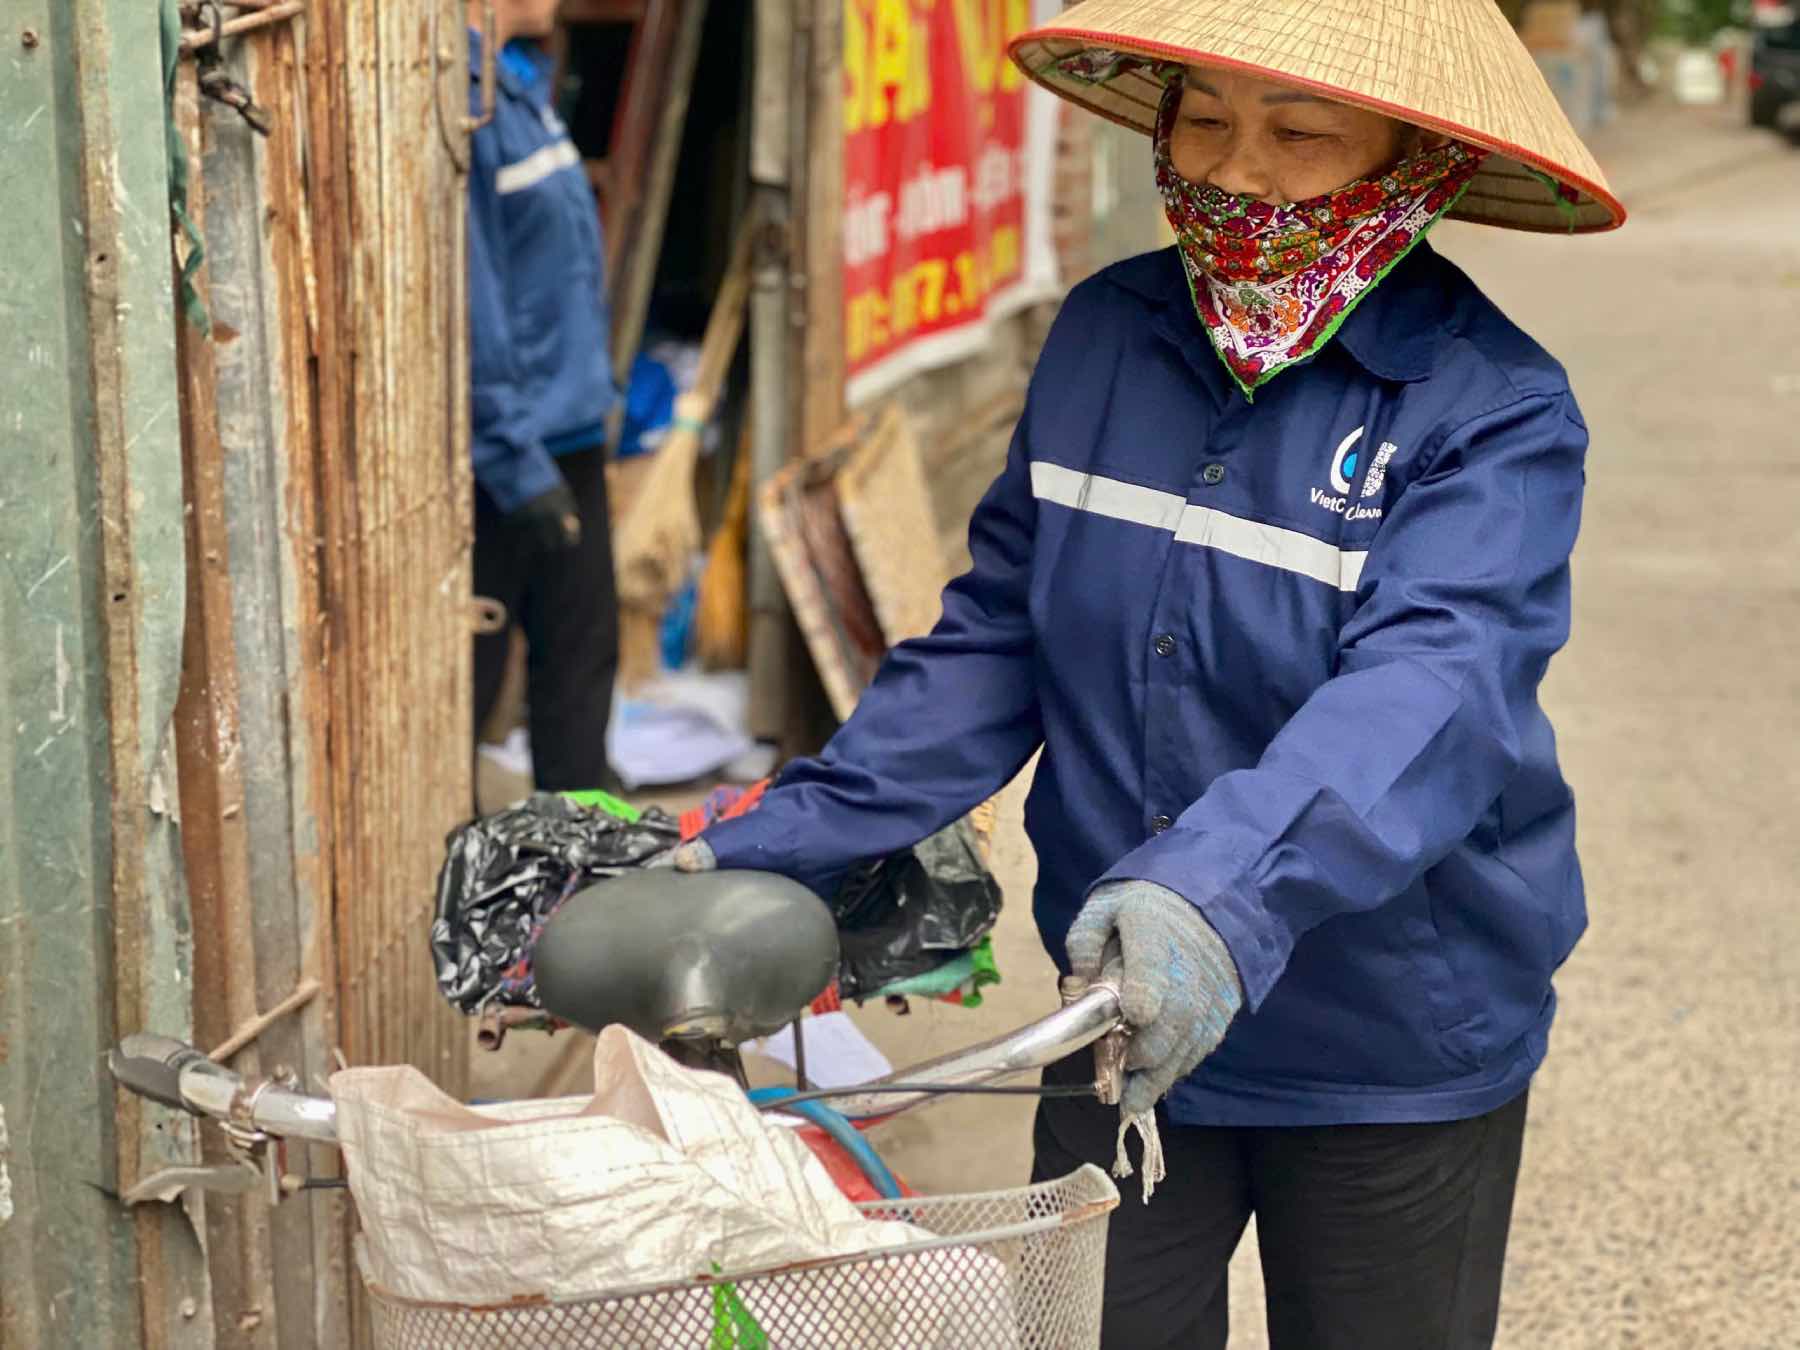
731	955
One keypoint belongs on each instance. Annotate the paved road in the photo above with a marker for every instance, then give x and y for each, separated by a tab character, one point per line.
1660	1201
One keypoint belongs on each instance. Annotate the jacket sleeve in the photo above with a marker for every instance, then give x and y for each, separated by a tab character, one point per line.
509	457
1391	763
949	719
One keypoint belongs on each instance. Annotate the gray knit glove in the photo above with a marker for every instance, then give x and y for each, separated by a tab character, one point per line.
694	856
1179	988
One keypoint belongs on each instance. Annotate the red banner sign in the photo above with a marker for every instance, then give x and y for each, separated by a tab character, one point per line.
936	162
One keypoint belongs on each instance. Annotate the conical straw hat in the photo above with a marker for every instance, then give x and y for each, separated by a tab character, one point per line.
1453	66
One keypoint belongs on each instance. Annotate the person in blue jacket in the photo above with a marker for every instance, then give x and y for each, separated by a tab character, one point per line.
1271	577
541	388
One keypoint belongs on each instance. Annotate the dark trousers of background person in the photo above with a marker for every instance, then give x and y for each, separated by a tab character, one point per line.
1372	1237
569	608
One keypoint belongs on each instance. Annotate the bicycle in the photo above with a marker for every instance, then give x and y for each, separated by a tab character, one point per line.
701	964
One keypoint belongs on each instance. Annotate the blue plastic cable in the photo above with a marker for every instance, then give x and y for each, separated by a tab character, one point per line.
840	1129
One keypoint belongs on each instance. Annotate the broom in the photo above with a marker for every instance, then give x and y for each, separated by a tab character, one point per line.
722	623
661	533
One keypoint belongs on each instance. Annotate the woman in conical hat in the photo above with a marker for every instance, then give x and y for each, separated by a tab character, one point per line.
1271	577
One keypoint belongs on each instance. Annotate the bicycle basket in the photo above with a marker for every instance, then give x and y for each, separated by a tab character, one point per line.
1017	1269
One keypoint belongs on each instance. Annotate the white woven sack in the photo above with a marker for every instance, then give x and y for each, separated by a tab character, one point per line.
666	1174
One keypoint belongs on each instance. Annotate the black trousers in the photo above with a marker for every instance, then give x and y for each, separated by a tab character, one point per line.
569	608
1373	1237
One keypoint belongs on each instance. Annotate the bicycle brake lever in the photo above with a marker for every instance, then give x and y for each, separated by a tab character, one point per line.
1109	1050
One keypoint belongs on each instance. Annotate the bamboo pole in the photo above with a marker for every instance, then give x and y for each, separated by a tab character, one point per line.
248	1031
262	16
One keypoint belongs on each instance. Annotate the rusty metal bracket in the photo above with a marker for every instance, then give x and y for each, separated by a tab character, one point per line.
487	615
215	81
239	1177
258	1160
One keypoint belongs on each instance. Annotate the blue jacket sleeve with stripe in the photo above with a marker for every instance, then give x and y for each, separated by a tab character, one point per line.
949	720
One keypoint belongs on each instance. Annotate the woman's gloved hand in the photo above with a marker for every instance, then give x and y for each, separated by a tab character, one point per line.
1179	988
694	856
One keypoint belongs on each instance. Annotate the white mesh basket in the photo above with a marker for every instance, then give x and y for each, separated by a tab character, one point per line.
1007	1270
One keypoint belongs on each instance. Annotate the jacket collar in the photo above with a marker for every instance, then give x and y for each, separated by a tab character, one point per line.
1391	333
1394	332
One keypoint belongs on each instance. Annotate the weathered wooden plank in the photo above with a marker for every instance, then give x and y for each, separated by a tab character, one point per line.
775	100
888	515
823	409
396	517
255	187
209	760
295	317
129	345
798	512
637	255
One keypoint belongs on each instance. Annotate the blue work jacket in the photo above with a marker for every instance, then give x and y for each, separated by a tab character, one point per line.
1281	657
539	325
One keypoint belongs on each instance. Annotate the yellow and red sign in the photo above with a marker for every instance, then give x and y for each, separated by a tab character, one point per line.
944	170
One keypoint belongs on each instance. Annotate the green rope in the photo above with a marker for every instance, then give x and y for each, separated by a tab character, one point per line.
178	172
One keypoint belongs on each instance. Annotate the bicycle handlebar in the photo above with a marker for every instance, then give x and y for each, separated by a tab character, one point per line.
176	1074
1091	1013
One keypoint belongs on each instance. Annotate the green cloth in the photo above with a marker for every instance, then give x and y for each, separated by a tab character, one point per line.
596	800
969	972
733	1327
178	171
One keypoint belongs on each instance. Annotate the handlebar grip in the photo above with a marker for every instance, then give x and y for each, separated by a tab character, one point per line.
151	1065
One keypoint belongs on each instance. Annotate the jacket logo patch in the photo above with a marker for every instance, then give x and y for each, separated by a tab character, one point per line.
1343	474
1378	469
1343	462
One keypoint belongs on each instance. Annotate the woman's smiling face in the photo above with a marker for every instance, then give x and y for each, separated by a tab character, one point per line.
1254	138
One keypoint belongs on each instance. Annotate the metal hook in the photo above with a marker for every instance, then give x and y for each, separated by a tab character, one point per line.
216	82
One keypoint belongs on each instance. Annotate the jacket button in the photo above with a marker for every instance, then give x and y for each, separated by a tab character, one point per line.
1213	474
1164	644
1160	823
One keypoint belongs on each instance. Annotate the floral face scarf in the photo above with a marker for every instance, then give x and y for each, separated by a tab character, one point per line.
1272	284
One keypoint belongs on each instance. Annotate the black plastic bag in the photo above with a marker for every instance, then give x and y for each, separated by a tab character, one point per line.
913	911
505	874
